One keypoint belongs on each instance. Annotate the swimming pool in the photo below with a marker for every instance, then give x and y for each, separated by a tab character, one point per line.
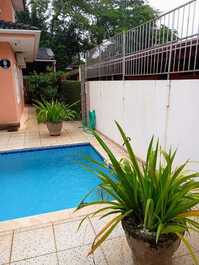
37	181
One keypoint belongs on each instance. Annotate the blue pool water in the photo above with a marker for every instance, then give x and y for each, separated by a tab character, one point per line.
44	180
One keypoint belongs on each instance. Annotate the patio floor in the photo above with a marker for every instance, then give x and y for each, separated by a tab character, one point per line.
52	239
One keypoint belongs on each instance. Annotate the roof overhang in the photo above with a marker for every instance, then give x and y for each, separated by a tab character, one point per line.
43	60
19	5
22	41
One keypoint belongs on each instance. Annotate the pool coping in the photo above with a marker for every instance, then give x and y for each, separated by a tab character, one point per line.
50	147
55	217
42	148
49	217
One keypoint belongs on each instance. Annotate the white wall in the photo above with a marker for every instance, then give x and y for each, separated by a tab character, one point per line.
169	111
183	128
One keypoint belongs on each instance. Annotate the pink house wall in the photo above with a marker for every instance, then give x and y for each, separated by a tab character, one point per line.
11	101
7	12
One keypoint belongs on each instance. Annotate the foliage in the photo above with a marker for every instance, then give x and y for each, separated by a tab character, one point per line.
43	86
54	111
36	14
159	199
71	27
69	92
116	16
48	86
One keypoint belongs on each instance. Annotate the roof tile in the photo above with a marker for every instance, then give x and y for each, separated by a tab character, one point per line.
15	25
45	54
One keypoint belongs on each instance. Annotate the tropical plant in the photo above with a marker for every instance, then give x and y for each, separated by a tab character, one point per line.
54	111
50	85
43	86
158	198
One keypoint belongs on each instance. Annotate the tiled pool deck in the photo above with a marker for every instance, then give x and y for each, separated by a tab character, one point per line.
52	239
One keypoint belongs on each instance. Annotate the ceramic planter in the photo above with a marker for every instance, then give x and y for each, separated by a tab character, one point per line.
54	128
144	249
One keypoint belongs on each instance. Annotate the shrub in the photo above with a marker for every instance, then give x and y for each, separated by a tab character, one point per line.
49	86
43	86
70	91
53	111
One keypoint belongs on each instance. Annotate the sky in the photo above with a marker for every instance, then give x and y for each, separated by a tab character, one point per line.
166	5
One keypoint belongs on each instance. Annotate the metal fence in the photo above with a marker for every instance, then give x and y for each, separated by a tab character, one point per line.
165	45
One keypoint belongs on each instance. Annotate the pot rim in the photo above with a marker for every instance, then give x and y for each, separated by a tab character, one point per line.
50	122
148	237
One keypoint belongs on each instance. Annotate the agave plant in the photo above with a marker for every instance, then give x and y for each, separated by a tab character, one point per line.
54	111
160	198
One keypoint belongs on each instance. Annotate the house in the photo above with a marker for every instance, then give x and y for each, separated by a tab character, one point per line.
45	59
19	45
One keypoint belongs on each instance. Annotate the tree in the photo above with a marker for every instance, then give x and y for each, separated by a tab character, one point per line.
116	15
70	27
36	14
103	18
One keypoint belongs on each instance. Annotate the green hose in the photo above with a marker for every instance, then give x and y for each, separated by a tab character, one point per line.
92	120
88	127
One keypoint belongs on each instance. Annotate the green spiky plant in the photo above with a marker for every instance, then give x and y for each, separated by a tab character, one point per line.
54	111
161	198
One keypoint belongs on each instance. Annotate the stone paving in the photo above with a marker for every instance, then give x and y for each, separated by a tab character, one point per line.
53	239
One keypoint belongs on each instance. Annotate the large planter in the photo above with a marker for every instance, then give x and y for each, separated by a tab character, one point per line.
54	128
143	246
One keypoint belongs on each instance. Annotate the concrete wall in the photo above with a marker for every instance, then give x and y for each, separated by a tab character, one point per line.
169	111
11	89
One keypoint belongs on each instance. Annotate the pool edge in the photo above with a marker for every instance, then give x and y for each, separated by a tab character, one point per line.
45	219
43	148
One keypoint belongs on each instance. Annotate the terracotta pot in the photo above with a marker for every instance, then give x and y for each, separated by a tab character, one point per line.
144	249
54	128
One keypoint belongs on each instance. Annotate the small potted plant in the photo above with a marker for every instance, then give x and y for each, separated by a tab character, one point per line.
154	201
53	114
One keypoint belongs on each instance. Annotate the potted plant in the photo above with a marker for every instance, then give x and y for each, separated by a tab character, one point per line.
153	200
53	114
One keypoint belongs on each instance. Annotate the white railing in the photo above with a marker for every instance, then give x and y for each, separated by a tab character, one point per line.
165	45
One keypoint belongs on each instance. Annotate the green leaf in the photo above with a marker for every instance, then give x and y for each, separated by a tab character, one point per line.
189	247
161	198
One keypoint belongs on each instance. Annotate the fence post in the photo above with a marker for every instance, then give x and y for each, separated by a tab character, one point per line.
123	54
99	63
83	94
